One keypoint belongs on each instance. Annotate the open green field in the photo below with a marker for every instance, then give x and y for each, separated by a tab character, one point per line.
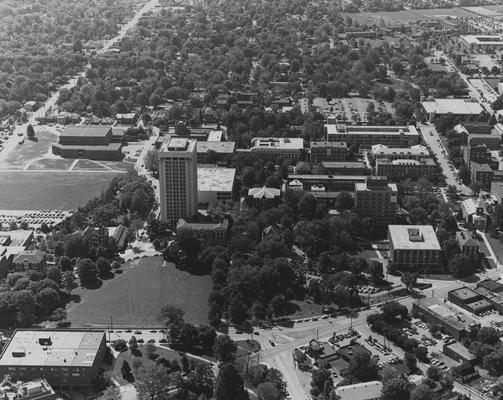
30	151
88	165
51	164
135	297
23	190
406	17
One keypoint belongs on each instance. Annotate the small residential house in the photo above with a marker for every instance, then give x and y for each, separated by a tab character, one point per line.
469	246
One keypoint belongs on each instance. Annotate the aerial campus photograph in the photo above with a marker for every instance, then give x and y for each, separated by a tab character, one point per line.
251	200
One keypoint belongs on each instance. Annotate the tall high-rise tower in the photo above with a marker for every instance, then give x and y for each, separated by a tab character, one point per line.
178	179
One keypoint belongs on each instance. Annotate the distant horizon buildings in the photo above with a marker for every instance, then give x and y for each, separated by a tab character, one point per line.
178	179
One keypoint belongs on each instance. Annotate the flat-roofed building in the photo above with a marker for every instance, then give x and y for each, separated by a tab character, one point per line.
325	183
270	148
416	152
178	179
414	246
460	107
460	353
360	391
492	141
38	389
482	42
482	174
470	300
399	169
365	136
377	199
67	358
434	311
88	141
215	152
328	151
346	167
215	184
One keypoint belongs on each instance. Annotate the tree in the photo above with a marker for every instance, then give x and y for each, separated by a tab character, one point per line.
103	266
422	392
68	281
126	372
318	379
422	353
461	266
409	280
172	315
30	132
493	362
152	381
152	161
393	309
65	263
344	201
411	361
54	273
396	388
488	335
229	384
111	393
133	344
363	367
87	271
224	349
269	391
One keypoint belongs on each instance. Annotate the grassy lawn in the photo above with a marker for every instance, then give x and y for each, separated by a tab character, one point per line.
305	309
497	247
51	163
49	191
135	297
88	165
31	150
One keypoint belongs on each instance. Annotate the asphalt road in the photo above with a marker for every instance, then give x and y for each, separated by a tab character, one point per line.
432	139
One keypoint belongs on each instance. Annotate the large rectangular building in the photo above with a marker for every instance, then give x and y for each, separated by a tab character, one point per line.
414	247
67	358
481	42
401	169
324	183
328	151
434	311
416	152
377	199
178	179
366	136
215	152
270	148
95	142
460	107
215	184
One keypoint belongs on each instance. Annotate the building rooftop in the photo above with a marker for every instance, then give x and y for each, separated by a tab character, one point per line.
344	164
59	348
182	224
360	391
435	306
215	179
218	147
301	177
29	256
329	144
491	285
264	193
178	144
454	106
465	294
413	237
483	39
416	150
333	129
86	130
259	143
461	350
386	161
375	183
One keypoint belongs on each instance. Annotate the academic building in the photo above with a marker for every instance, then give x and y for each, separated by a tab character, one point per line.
95	142
178	179
377	199
414	247
67	358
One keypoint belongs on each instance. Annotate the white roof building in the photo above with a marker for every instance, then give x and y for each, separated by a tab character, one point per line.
453	106
360	391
